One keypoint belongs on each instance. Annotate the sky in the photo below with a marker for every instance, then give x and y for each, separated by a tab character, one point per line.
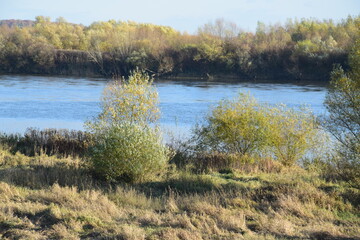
183	15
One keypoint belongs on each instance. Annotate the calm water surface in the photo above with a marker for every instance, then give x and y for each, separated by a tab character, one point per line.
65	102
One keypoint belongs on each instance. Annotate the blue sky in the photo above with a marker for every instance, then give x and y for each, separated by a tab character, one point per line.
184	15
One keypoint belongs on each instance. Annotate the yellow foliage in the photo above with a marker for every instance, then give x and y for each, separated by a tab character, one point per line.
248	128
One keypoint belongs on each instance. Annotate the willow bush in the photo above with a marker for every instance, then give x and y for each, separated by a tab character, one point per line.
293	133
129	152
253	130
238	126
128	144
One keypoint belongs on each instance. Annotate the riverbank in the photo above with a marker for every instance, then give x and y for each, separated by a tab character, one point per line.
307	68
216	78
233	79
48	197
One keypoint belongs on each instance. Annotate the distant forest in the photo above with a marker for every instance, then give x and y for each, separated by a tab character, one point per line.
298	50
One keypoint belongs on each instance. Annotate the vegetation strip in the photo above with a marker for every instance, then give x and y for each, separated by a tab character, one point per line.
298	50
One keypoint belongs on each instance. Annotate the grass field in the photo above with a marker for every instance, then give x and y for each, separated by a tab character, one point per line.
46	197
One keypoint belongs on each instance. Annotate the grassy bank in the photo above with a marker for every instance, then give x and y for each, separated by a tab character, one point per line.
44	197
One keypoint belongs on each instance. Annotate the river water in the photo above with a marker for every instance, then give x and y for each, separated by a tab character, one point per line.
66	102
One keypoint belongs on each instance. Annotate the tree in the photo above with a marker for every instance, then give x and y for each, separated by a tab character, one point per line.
220	28
343	104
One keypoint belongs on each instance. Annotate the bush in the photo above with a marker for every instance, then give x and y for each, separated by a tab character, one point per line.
129	152
128	145
253	130
293	133
235	126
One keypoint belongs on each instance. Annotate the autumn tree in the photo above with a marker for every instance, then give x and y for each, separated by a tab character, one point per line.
343	104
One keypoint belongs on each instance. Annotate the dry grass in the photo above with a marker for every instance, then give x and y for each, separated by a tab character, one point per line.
45	197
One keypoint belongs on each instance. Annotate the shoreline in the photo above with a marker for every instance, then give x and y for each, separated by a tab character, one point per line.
223	78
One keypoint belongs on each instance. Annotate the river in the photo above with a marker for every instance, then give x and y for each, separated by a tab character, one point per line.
66	102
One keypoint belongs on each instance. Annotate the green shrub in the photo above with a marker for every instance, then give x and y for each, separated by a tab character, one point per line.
128	145
129	152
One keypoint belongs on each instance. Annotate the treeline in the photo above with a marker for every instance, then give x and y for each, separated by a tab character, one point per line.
298	50
17	23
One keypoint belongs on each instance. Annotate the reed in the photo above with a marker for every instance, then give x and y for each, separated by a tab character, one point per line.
59	142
